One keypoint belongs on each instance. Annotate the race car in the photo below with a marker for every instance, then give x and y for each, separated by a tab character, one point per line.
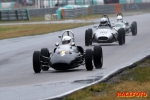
121	24
104	33
67	56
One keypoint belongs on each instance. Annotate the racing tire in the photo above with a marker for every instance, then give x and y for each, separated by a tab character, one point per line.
45	52
98	56
87	38
120	36
88	59
90	35
36	62
134	28
124	38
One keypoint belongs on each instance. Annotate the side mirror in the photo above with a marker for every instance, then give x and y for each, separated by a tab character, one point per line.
59	36
94	26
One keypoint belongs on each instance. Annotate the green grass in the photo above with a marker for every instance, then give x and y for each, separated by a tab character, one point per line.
28	30
131	80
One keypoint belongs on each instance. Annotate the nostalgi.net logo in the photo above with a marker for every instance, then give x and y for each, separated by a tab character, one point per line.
131	94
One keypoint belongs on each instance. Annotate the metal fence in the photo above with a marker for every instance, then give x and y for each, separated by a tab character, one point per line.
135	6
42	12
103	9
94	9
71	13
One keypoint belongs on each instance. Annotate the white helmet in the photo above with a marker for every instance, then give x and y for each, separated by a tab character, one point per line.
103	22
66	40
119	18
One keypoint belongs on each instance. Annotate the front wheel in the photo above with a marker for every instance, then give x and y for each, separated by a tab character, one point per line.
121	36
98	56
36	62
88	59
88	37
45	54
134	28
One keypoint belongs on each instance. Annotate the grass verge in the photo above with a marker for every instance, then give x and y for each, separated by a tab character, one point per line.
27	30
131	80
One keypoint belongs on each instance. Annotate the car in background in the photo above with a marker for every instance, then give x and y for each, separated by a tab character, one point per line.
104	34
129	28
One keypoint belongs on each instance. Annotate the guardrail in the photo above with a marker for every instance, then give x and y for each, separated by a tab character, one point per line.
8	15
42	12
104	9
71	13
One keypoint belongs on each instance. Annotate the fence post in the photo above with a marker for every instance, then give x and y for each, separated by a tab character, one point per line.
0	15
16	14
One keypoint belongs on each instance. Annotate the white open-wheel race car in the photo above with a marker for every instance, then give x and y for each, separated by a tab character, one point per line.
104	33
129	28
67	56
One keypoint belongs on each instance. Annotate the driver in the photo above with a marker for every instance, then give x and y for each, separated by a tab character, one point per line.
119	19
66	40
104	22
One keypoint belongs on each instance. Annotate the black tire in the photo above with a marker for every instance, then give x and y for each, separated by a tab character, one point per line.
88	59
45	52
88	38
36	62
98	56
120	36
134	28
90	35
124	38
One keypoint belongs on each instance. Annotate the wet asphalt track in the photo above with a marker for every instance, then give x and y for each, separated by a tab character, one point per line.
19	82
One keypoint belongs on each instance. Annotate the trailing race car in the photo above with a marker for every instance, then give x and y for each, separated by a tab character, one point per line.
104	33
67	56
121	24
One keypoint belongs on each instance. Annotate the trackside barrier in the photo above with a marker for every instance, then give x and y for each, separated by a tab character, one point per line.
103	9
117	8
71	13
8	15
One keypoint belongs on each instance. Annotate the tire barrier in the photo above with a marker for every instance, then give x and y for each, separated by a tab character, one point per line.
9	15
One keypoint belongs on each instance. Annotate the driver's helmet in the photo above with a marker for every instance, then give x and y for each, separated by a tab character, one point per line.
119	19
104	22
66	40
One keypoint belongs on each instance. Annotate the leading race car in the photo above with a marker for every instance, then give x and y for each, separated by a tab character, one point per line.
67	56
104	33
127	27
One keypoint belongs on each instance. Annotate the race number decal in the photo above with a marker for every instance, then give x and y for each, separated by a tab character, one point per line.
63	52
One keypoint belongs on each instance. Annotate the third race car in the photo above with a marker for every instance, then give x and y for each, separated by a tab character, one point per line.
129	28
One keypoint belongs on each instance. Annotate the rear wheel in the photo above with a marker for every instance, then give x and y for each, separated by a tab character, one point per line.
134	28
98	56
88	59
120	36
36	62
124	38
45	53
88	37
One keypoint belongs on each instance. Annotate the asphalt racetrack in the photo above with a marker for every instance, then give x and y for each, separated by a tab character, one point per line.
19	82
